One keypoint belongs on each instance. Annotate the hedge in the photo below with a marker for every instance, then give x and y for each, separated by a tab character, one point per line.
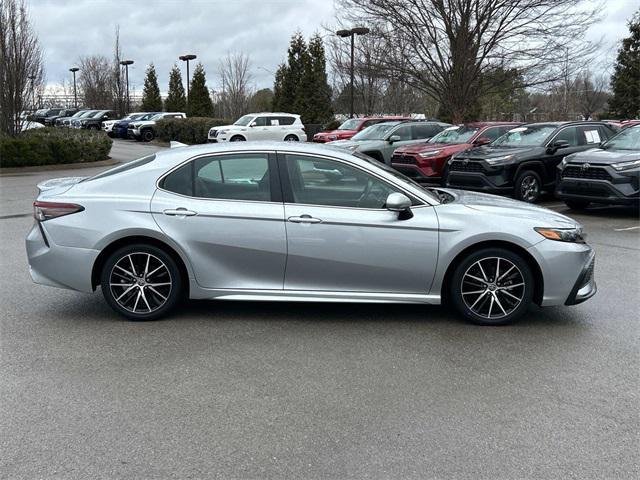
48	146
187	130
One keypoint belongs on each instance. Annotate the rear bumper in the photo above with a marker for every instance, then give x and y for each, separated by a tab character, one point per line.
57	266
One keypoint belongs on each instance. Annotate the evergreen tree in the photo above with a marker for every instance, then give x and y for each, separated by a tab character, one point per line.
625	82
199	102
318	92
279	97
287	87
176	100
151	100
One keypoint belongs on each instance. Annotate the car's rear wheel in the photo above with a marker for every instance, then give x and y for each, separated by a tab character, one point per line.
528	186
148	135
291	138
577	204
141	282
493	286
237	138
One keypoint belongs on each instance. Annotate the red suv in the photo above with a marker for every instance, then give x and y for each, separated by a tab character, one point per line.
425	162
350	127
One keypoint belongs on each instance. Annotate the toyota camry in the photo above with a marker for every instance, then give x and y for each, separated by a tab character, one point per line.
299	222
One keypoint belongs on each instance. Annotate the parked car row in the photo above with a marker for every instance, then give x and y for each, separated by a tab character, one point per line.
138	126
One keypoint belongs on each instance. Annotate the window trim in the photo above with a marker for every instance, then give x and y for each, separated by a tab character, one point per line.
287	189
274	177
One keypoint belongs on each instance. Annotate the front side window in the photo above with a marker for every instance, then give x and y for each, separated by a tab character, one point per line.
570	135
241	176
260	122
404	132
316	181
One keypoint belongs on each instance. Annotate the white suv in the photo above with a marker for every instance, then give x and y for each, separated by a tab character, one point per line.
261	126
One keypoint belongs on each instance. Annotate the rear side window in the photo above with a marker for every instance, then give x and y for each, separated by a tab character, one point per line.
286	120
242	176
591	135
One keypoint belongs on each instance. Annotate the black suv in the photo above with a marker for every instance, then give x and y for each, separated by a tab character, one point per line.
523	161
50	121
609	174
43	113
94	122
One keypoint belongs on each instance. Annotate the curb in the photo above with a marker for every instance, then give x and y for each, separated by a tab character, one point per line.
57	166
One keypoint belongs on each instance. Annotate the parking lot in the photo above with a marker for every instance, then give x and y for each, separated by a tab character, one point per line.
271	390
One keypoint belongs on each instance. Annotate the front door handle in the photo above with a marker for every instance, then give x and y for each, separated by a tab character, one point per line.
304	219
180	212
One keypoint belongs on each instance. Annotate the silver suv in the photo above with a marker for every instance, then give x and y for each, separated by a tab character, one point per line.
275	126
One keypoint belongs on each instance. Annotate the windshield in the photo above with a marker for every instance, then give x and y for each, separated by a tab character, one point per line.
82	113
453	135
374	132
146	116
351	124
244	121
395	173
133	116
627	139
528	136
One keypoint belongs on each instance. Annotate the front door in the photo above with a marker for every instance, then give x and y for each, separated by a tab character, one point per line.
225	212
341	238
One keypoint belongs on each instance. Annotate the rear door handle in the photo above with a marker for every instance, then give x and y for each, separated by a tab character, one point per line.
304	219
180	212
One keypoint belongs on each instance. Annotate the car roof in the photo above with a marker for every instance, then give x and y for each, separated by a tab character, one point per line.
489	124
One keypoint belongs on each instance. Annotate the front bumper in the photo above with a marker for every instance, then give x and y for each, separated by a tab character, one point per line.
610	186
476	175
58	266
585	287
421	170
133	132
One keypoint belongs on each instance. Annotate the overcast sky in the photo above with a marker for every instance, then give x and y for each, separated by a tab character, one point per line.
159	31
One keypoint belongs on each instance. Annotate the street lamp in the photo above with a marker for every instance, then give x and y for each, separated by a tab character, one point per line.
187	58
126	64
75	91
33	92
352	33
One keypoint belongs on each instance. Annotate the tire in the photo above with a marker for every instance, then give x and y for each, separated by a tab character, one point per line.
237	138
94	127
577	204
291	138
528	186
148	135
144	301
475	299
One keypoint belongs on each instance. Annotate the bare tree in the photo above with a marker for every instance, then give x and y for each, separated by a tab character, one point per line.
21	65
96	76
235	75
446	47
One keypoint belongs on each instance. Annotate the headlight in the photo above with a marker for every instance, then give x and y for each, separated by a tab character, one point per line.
626	165
222	132
353	147
572	235
500	160
432	153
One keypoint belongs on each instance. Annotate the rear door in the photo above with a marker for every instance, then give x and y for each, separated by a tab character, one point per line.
226	212
340	236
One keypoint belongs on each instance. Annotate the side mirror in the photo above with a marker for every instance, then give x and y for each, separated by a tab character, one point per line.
483	141
398	202
557	145
253	124
394	138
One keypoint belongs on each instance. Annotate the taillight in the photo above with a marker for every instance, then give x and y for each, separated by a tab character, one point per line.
47	210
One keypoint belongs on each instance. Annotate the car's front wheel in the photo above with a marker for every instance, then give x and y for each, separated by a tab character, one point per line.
528	186
141	282
492	286
237	138
148	135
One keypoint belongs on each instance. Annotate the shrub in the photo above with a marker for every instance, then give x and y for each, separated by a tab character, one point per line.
48	146
187	130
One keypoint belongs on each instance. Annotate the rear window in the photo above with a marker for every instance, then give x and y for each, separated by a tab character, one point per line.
123	168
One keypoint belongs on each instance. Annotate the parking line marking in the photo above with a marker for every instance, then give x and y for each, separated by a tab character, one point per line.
625	229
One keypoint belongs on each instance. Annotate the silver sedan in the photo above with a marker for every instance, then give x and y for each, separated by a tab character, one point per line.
299	222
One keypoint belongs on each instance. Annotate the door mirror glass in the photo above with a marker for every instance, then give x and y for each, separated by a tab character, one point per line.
557	145
394	138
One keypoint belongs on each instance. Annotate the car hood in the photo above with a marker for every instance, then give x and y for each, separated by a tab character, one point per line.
228	127
598	155
490	152
446	148
339	133
515	209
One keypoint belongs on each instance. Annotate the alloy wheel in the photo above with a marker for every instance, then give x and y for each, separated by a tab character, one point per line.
492	288
529	188
140	282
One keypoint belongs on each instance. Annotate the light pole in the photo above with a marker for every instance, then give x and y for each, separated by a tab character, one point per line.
352	33
33	92
187	58
126	64
75	91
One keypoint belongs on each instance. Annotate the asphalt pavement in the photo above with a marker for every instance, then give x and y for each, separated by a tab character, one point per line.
336	391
